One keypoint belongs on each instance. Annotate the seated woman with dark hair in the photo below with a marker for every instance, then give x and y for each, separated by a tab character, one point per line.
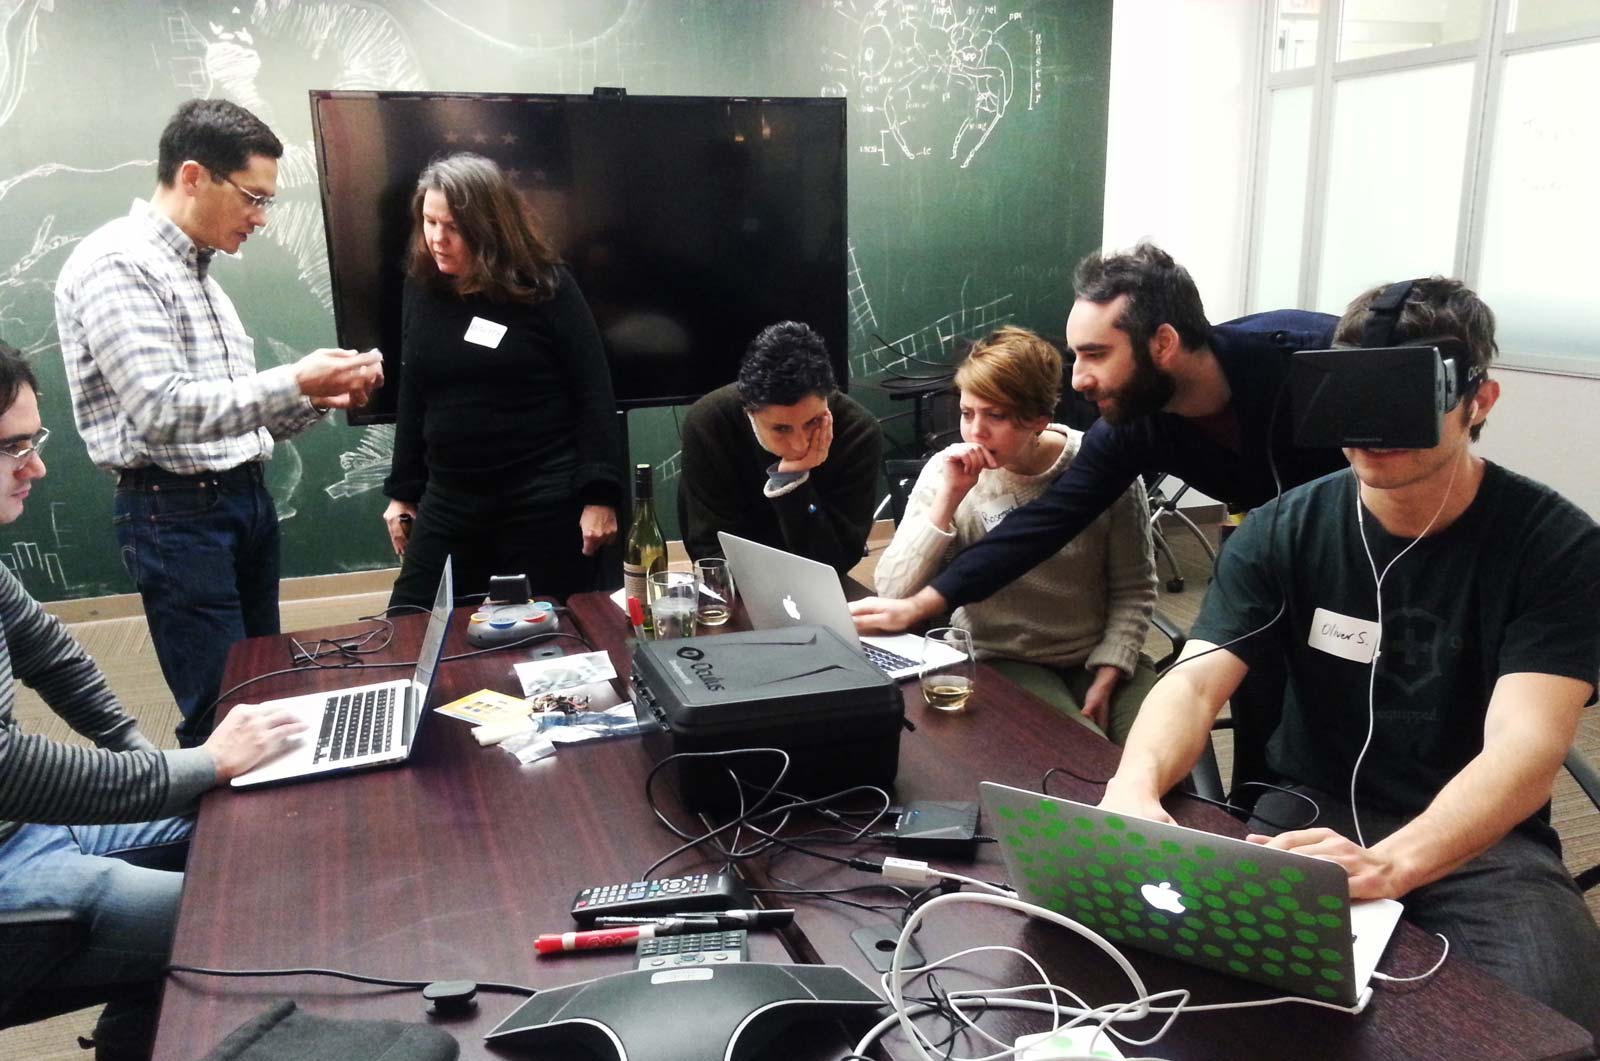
781	456
1070	630
506	452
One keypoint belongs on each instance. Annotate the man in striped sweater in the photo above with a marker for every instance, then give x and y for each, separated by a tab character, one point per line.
101	830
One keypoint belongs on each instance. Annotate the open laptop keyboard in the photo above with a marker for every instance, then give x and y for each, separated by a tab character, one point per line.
884	660
356	724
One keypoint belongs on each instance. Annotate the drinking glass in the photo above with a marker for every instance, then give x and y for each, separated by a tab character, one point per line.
949	670
715	582
672	599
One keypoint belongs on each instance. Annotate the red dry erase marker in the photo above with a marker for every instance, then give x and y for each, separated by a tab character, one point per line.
635	612
556	942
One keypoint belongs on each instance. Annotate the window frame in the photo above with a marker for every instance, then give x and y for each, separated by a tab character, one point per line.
1488	54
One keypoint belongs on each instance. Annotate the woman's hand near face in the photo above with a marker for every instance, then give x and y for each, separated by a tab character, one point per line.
398	518
599	526
959	466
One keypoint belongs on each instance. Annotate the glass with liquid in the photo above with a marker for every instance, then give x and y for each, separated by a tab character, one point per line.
672	604
949	670
715	584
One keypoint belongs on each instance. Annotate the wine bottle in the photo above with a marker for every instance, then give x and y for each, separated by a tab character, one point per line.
646	550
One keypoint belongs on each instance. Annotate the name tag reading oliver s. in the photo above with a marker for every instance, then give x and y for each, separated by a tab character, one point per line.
485	333
1344	636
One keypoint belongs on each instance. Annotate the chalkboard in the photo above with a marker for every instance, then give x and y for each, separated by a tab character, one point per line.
977	164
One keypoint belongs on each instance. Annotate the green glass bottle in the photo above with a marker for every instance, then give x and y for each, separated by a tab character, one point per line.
646	550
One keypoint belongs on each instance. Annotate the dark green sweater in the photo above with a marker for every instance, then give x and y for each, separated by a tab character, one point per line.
826	518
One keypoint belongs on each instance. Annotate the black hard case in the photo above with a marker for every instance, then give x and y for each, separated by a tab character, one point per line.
802	689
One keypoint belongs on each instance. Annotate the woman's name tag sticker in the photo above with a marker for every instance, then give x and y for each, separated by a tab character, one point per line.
485	333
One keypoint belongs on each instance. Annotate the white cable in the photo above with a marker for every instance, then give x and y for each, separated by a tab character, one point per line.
897	971
1420	976
1139	1008
972	882
1377	650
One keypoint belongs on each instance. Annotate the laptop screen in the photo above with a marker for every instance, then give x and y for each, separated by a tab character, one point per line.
428	657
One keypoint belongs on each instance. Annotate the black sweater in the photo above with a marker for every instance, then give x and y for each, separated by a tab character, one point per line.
826	518
534	414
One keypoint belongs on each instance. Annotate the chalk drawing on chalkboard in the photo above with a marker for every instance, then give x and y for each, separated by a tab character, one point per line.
922	76
19	39
580	62
936	341
862	318
29	563
670	468
27	281
366	466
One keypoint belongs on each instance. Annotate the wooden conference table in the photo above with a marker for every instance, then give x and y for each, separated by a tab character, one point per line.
448	867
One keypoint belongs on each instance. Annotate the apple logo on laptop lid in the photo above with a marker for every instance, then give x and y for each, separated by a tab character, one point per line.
791	607
1163	897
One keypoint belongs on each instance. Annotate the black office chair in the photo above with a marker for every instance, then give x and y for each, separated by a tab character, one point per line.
1588	779
28	934
901	476
59	933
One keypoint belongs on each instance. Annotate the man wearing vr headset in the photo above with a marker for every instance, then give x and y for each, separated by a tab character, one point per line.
1439	617
1175	395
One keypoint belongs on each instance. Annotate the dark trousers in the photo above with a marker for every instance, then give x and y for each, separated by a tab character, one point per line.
1514	910
493	535
203	551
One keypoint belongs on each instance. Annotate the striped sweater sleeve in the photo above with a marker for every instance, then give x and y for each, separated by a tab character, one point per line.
123	779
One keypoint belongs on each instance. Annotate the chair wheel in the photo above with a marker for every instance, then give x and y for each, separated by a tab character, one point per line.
1174	585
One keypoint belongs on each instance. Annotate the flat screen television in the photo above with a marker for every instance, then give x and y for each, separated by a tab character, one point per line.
690	223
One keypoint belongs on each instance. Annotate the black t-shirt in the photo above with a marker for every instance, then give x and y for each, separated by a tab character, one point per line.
505	398
1513	585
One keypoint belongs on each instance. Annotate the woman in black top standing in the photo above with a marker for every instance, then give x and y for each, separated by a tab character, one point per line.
506	451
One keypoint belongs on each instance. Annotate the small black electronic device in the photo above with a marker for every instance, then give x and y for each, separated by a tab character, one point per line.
938	827
800	689
694	948
657	898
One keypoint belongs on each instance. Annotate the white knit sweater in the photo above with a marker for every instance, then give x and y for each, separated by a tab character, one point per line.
1088	604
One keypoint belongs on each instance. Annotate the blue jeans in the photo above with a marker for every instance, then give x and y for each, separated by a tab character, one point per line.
203	550
106	874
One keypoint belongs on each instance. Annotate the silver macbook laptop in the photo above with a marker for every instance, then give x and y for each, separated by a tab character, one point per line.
1271	916
781	589
364	726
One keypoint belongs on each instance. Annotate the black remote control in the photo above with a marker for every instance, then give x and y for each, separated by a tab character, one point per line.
658	898
694	948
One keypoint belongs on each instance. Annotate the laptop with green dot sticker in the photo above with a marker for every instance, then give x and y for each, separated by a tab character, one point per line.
1275	917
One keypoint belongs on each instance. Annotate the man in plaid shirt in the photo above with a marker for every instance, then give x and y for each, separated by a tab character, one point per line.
167	397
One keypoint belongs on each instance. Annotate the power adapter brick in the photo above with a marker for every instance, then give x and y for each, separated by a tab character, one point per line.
937	828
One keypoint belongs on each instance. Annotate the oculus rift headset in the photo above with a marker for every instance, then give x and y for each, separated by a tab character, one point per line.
1382	394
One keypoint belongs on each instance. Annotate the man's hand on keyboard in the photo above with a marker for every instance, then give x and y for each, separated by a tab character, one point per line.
890	615
248	735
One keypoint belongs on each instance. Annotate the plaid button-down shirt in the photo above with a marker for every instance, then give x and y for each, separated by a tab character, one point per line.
158	364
